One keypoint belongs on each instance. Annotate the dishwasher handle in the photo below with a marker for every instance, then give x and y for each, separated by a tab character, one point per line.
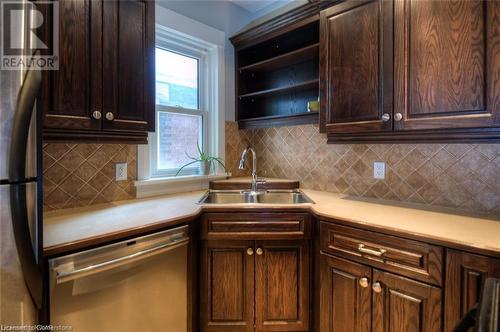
62	276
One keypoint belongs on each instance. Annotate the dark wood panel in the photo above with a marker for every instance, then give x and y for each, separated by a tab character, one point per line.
279	121
414	259
227	286
128	51
345	305
355	75
256	226
447	72
94	136
246	184
71	93
465	277
404	305
282	274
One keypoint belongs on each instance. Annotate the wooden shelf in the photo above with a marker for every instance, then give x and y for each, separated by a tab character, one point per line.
295	87
279	120
280	61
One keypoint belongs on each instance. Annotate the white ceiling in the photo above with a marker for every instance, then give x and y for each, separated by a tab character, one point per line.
254	6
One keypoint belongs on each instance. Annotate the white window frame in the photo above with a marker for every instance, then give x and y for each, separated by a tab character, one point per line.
202	111
212	82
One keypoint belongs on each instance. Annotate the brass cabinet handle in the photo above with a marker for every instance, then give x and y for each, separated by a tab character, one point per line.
398	117
250	251
377	288
386	117
110	116
96	115
259	251
379	252
363	282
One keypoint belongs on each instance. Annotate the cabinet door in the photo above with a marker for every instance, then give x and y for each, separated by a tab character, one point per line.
71	94
401	304
447	68
345	298
282	286
128	65
356	67
227	286
465	276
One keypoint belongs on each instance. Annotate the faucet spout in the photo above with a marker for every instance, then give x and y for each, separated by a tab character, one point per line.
255	179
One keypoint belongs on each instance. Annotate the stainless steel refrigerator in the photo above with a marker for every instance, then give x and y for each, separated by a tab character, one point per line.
20	213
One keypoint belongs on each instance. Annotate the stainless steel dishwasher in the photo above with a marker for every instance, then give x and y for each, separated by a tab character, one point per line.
134	285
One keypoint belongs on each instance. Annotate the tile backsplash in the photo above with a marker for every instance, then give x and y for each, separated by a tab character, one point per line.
84	174
463	176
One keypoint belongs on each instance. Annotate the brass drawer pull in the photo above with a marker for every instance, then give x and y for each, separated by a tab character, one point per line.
377	287
250	251
363	282
379	252
260	251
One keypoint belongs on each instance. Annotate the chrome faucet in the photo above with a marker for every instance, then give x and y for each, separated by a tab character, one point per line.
255	179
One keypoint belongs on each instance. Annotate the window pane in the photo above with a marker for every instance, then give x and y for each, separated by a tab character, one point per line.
176	79
177	135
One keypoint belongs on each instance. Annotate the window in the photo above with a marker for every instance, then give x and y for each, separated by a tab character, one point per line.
190	105
180	108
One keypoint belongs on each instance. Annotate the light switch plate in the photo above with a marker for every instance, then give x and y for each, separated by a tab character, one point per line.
379	170
121	171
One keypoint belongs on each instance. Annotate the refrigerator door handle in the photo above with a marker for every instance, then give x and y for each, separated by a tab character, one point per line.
21	125
17	172
20	226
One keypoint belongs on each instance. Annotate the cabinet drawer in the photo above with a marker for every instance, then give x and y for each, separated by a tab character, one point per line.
410	258
256	225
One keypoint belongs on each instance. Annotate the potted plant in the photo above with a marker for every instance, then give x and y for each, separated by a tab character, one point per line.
205	160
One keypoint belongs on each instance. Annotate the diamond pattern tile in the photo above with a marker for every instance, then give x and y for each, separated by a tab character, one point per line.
83	174
461	176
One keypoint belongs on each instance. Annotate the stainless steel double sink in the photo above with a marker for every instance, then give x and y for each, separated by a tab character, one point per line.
245	196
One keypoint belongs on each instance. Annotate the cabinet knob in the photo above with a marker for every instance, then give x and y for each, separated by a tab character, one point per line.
398	116
250	251
386	117
363	282
96	115
377	288
110	116
259	251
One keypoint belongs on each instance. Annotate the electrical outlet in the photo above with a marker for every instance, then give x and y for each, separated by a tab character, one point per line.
121	171
379	170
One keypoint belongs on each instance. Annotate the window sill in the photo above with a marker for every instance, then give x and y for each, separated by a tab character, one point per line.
171	185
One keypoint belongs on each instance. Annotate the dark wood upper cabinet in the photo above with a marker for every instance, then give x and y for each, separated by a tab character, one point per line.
401	304
104	88
73	92
447	65
345	295
465	276
129	60
410	70
227	286
356	74
282	273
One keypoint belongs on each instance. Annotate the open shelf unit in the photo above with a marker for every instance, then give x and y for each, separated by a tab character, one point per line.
278	76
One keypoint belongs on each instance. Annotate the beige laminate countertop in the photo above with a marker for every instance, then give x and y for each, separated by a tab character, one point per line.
76	228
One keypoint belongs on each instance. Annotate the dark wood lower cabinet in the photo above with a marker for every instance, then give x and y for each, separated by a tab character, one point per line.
465	276
345	300
354	297
227	286
282	285
255	285
401	304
